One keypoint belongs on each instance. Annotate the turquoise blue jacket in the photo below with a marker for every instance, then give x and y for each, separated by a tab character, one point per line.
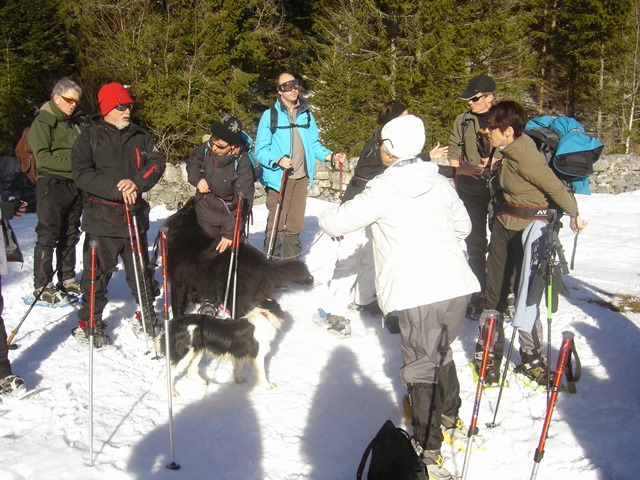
270	148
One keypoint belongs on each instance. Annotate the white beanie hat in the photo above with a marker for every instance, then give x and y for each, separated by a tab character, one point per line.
404	136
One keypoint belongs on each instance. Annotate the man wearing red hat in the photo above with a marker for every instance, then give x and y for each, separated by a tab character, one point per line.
114	161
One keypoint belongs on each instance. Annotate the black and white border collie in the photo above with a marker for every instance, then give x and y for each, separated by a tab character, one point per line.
249	338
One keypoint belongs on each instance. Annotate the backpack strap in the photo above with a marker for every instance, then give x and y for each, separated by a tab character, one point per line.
464	125
274	120
365	457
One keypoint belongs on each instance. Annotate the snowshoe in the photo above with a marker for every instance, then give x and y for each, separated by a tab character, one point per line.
50	297
12	385
434	462
492	375
70	286
455	433
152	325
535	371
336	324
100	338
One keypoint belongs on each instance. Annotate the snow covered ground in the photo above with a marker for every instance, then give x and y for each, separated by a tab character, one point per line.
333	394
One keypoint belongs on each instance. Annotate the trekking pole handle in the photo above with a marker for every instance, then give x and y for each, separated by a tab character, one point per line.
93	248
236	230
163	252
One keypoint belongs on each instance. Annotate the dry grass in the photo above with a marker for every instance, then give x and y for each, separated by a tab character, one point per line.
621	302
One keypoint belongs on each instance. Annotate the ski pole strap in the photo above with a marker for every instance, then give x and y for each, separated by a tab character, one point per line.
573	375
525	212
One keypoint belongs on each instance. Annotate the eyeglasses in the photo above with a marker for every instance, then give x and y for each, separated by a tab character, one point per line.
217	145
382	140
70	101
492	127
477	98
124	107
288	86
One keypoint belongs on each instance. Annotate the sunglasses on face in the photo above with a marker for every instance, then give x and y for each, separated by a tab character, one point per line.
477	98
288	86
492	127
124	107
70	101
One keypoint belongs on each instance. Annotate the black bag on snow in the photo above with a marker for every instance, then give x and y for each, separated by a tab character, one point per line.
569	151
392	456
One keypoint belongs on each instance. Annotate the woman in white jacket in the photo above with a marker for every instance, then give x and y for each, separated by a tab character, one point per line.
417	223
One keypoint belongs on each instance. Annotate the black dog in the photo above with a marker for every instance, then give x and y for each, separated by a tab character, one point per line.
244	339
194	267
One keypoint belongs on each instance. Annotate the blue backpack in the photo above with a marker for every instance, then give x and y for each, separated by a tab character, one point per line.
255	164
568	149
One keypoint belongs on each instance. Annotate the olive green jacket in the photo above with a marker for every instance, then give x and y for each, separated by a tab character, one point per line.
527	180
51	137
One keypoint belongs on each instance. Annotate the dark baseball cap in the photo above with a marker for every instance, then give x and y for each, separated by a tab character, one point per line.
479	84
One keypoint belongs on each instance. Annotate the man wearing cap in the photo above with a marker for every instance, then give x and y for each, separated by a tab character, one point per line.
220	169
114	162
469	151
417	222
58	202
287	143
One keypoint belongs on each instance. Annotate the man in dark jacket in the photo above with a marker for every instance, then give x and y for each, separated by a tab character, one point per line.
220	169
114	161
58	201
469	151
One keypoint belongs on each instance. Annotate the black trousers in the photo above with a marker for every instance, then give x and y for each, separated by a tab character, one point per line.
5	365
107	252
59	208
477	205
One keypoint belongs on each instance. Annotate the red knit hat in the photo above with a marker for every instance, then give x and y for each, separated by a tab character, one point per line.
111	95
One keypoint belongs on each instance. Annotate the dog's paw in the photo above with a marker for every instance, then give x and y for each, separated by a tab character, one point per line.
175	393
269	386
240	379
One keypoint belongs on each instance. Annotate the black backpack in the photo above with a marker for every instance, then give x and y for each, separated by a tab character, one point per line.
392	456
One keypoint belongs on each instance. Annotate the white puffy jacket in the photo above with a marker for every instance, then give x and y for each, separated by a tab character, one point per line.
418	223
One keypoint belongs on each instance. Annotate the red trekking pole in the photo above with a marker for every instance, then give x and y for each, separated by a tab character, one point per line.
233	262
564	362
489	327
93	248
165	287
276	219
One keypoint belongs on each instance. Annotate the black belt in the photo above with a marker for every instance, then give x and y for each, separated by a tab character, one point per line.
527	213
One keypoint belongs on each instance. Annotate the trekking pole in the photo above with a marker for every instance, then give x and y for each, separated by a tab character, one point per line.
503	380
15	331
165	310
93	248
563	360
550	253
490	327
232	264
575	247
135	271
276	218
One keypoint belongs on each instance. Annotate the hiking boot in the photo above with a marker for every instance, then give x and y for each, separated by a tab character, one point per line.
12	384
50	294
339	324
475	306
70	286
371	308
392	323
536	370
492	375
434	461
100	337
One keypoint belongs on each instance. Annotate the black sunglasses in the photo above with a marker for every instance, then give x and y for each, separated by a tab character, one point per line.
492	127
477	98
124	106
